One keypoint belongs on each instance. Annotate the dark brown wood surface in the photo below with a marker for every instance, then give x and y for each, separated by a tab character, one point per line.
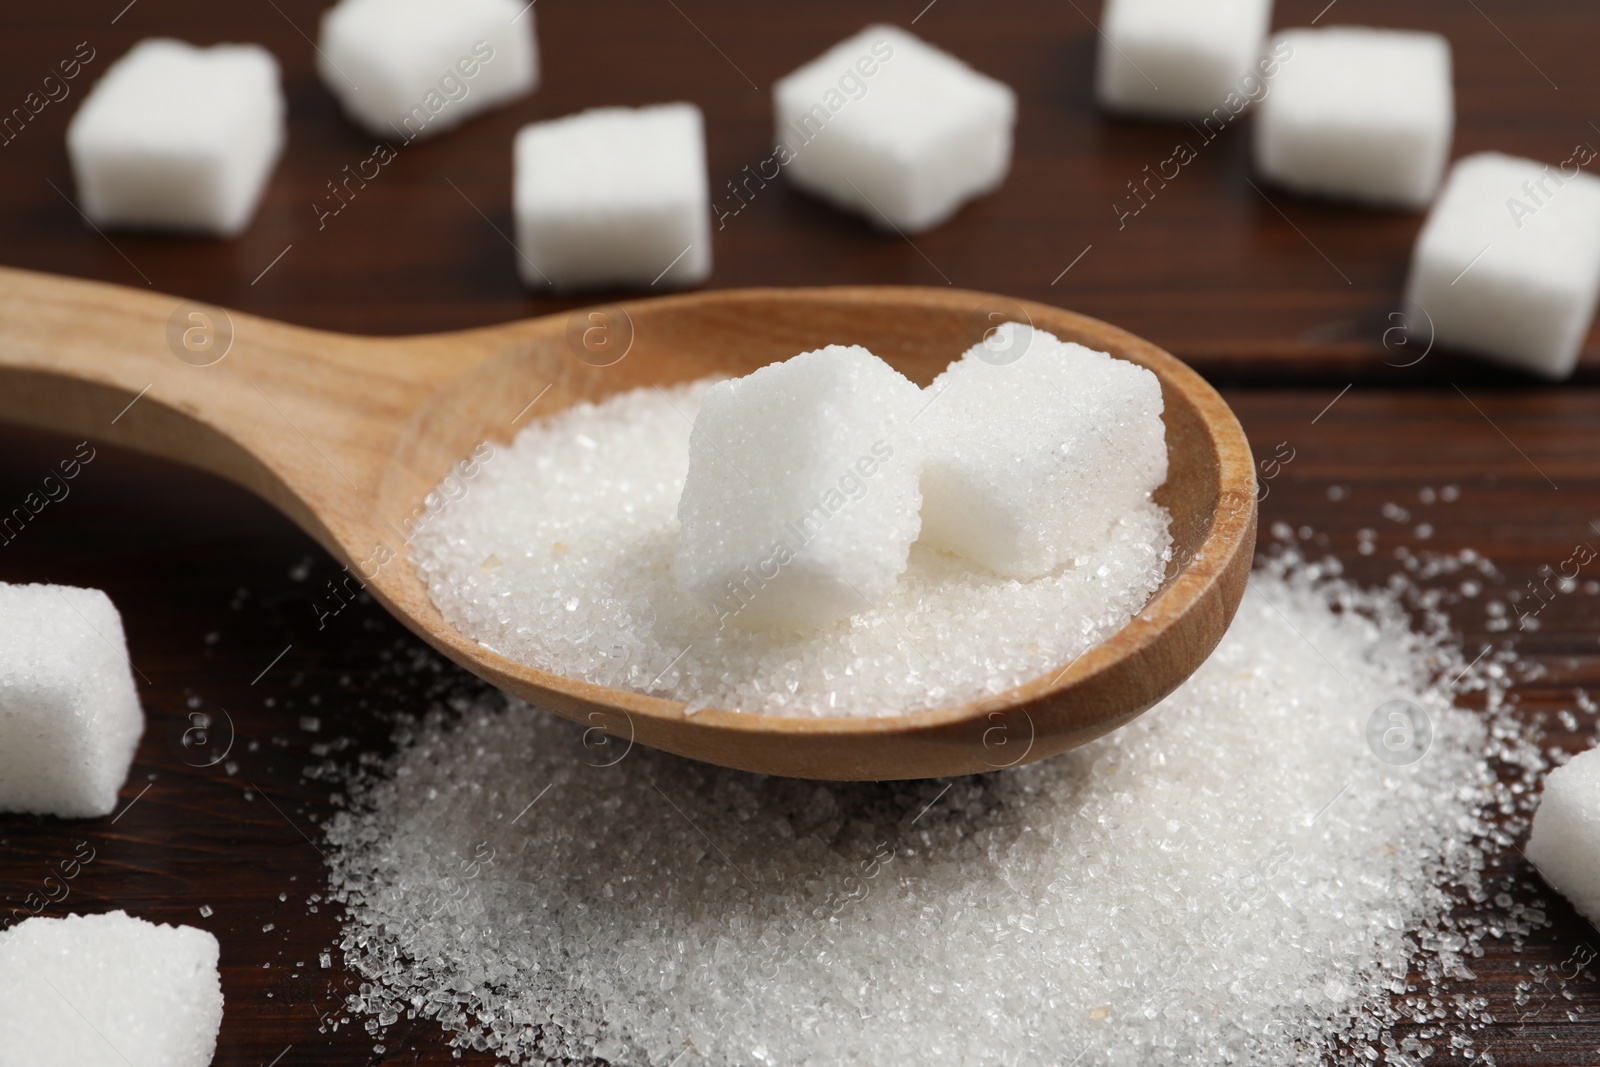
1262	290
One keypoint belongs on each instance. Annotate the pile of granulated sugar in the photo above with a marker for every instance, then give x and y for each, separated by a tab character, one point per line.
1235	877
560	554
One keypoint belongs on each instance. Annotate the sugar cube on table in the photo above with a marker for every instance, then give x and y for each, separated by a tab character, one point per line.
178	137
1508	264
108	991
1035	447
886	125
1181	59
801	501
69	713
1360	114
613	196
1565	843
413	68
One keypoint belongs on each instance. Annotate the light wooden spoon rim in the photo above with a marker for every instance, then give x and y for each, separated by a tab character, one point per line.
389	415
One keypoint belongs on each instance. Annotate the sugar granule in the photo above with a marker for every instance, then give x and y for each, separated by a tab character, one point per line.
1235	877
560	557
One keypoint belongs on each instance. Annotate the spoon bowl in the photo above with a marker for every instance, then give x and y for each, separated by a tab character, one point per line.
350	436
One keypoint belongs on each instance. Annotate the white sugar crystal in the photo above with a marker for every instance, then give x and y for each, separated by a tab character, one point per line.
413	68
1508	264
1036	450
1180	58
1565	844
613	196
1359	113
178	137
886	125
801	501
108	991
1234	878
562	557
69	713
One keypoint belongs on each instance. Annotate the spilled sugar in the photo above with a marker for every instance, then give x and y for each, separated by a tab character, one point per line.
1233	878
559	556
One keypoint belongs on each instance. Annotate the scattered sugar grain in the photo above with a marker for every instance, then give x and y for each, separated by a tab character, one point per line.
108	991
586	538
1232	878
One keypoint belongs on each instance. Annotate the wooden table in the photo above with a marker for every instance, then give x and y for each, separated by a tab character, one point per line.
1283	302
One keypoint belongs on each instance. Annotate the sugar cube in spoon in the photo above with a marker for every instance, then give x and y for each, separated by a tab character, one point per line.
1035	448
802	501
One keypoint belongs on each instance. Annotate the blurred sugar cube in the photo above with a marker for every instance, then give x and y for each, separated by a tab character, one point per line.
69	713
178	137
1508	264
1357	113
801	502
108	991
888	126
1565	843
1036	447
414	68
1181	59
613	196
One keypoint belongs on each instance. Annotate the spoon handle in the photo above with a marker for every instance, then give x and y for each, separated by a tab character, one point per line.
301	417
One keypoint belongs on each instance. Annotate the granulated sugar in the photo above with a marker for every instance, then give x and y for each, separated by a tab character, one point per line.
560	556
1236	877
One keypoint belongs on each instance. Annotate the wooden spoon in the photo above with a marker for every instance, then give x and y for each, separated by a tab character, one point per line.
348	436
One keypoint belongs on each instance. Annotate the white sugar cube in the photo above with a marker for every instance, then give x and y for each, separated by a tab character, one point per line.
801	501
613	196
108	991
413	68
1181	59
1035	448
1361	114
69	713
178	137
1565	843
1508	264
889	126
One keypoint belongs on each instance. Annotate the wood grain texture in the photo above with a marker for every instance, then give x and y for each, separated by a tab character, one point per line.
210	579
350	437
1252	284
